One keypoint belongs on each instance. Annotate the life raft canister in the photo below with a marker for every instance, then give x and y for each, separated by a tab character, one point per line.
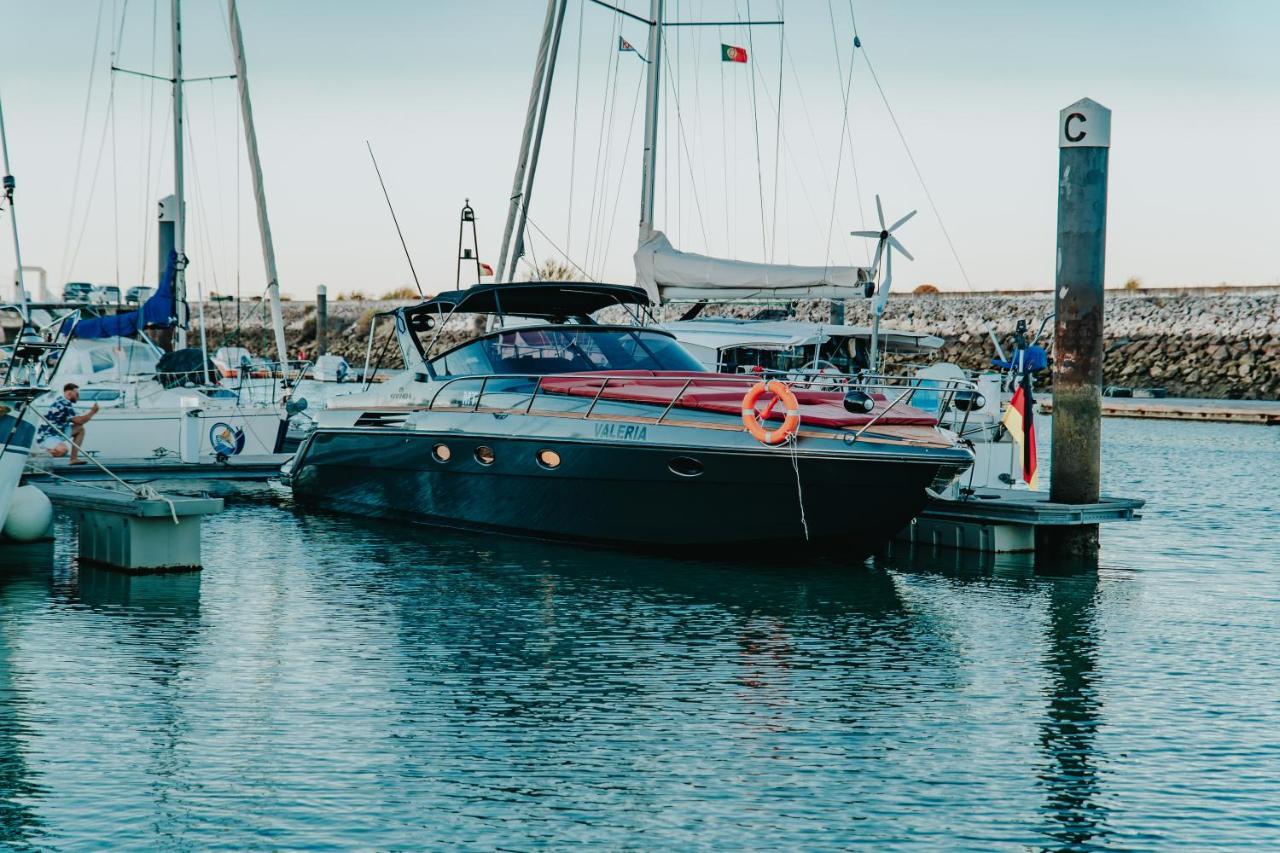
754	422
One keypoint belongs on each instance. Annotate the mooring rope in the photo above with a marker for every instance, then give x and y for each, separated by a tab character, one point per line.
793	440
143	492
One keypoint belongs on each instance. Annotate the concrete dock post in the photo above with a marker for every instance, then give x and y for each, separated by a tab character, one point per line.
1084	140
322	321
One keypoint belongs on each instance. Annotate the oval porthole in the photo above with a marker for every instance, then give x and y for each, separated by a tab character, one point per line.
685	467
548	459
441	452
484	455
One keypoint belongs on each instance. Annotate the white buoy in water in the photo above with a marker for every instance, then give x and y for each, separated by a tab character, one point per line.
29	516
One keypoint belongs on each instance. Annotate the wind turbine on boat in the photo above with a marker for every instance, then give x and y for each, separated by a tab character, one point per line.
886	245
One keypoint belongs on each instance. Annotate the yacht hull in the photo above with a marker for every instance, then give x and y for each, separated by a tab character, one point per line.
619	493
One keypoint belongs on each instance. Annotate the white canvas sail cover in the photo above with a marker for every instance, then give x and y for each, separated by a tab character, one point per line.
669	274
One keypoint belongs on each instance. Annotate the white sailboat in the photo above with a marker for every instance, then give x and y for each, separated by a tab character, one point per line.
148	410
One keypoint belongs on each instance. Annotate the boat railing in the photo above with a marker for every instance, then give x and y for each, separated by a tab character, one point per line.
882	393
37	350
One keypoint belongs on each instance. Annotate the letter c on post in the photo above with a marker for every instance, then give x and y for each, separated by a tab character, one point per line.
1079	135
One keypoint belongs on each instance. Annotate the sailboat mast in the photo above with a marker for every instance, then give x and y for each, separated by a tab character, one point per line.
518	248
13	221
522	163
259	193
179	191
653	86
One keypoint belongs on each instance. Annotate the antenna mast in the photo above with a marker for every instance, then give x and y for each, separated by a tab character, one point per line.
394	220
472	254
9	185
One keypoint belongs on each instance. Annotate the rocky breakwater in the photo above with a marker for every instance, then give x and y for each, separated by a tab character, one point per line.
1223	345
1219	344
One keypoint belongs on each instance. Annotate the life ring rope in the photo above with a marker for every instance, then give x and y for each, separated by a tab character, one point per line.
754	421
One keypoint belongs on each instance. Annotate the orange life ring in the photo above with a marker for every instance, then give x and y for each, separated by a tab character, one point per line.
754	422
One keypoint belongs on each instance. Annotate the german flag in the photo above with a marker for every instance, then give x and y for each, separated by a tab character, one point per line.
1019	419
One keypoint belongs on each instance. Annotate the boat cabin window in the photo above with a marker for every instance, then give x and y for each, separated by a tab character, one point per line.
100	395
542	351
101	361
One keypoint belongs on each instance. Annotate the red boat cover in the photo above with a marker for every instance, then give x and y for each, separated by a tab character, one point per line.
723	394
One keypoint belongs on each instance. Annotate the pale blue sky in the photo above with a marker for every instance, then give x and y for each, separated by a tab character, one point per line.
440	87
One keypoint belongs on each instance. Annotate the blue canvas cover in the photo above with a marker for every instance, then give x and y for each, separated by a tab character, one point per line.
1036	359
158	312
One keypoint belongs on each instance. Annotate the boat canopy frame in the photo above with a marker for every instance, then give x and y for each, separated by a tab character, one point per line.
544	327
556	302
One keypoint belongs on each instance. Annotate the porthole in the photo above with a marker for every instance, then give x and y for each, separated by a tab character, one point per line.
484	455
441	452
548	459
685	467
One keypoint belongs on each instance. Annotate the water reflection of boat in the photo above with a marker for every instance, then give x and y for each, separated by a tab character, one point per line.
1074	811
561	427
24	583
175	594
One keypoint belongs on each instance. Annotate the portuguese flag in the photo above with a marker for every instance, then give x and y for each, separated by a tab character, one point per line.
730	53
1019	419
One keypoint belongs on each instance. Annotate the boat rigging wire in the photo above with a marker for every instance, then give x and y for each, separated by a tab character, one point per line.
598	247
115	159
93	190
217	180
964	274
853	159
200	221
835	187
680	133
150	134
84	129
617	196
755	121
562	252
606	109
573	145
387	196
620	11
916	167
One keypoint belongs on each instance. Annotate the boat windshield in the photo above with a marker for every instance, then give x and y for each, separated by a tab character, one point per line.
541	351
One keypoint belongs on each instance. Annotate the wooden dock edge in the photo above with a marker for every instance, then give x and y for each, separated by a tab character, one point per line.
1164	410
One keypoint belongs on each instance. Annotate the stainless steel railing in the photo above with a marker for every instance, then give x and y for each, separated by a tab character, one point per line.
942	393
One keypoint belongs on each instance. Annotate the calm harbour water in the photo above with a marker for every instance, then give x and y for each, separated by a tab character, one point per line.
329	683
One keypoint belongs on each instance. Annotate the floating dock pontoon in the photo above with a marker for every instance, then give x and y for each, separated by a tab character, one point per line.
1006	520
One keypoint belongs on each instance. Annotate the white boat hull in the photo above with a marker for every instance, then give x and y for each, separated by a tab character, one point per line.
13	458
177	432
